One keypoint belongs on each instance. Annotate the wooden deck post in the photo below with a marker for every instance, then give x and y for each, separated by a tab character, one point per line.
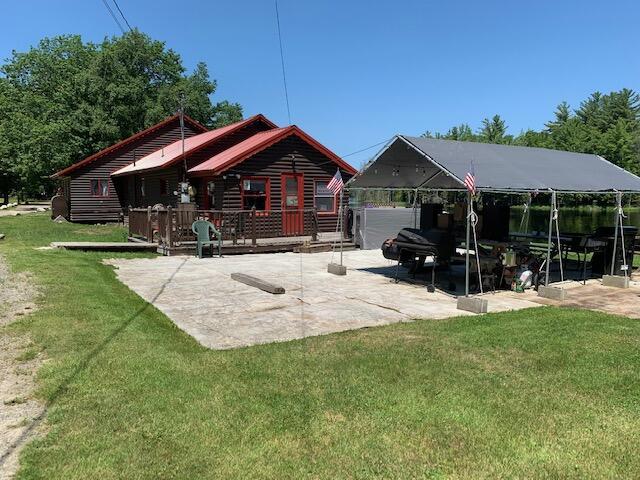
149	226
254	238
314	225
129	220
169	227
344	233
237	224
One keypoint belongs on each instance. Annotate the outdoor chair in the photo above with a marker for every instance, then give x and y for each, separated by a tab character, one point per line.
203	231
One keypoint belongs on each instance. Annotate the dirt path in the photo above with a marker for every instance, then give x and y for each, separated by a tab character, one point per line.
17	294
19	362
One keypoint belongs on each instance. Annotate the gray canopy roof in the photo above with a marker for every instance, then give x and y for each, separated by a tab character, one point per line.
428	163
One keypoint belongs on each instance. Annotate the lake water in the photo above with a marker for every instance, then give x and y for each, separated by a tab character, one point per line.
573	220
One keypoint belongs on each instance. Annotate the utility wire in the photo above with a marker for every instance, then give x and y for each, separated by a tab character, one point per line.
113	15
284	75
122	14
365	149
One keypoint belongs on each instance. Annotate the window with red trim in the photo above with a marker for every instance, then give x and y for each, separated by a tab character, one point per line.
255	192
99	188
323	199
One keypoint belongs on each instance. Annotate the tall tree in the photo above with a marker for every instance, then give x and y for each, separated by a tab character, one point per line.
562	115
65	99
531	138
460	132
494	131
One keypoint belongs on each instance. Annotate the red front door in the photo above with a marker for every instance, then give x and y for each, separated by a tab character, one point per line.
292	204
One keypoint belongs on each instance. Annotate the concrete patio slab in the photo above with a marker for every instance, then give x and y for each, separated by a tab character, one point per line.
593	296
200	297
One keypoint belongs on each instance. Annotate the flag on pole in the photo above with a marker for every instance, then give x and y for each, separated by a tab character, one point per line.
470	180
336	184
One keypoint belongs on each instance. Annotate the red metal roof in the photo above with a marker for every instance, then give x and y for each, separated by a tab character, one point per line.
258	142
125	142
173	153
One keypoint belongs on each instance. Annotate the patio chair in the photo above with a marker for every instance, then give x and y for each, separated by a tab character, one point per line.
203	230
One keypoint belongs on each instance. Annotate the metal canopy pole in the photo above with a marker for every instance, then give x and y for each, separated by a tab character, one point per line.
524	222
625	265
467	245
615	234
619	223
526	225
415	208
553	201
557	221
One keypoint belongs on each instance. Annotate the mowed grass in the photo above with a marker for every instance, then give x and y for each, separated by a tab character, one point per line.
540	393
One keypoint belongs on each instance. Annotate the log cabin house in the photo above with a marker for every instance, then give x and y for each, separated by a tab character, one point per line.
90	193
250	174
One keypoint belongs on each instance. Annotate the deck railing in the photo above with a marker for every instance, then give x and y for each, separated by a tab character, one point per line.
171	226
140	223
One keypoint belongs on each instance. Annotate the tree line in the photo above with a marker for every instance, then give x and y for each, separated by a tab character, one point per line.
604	124
66	99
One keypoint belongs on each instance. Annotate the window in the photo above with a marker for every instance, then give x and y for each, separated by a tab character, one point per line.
164	187
323	199
291	194
255	193
100	188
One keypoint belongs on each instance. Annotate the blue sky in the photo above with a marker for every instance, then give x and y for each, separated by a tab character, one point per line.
360	71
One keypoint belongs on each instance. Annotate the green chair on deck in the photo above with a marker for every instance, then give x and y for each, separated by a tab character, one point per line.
204	231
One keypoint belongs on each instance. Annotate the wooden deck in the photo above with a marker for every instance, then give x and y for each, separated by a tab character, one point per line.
303	244
242	231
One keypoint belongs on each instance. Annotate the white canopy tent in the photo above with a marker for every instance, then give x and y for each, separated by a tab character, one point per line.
419	164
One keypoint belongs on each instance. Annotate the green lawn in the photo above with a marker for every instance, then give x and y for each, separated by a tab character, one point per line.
547	392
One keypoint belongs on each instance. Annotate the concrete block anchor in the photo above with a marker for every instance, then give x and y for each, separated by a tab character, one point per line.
337	269
615	281
552	293
473	304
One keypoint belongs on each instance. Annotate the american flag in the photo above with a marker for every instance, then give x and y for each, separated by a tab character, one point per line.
336	184
470	180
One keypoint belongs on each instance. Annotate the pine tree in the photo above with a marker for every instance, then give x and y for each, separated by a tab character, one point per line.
494	131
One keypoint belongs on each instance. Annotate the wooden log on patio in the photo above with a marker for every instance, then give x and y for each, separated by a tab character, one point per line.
258	283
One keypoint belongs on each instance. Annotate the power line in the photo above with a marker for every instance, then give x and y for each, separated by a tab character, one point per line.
284	75
113	15
122	14
365	149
